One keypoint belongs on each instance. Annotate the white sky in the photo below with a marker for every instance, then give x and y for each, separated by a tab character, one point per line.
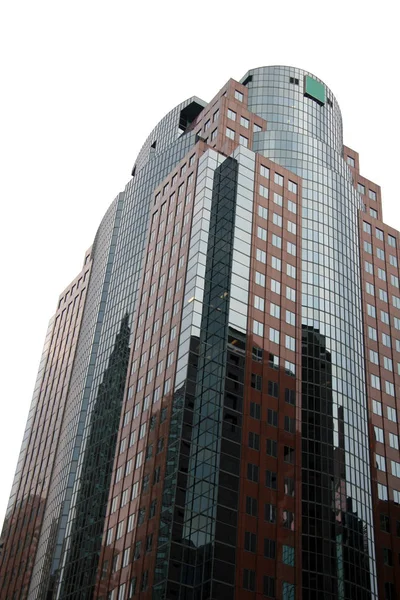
82	84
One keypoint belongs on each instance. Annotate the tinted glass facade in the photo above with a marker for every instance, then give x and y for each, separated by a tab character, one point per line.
227	422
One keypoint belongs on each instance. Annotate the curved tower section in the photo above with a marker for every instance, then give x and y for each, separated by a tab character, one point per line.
304	135
70	539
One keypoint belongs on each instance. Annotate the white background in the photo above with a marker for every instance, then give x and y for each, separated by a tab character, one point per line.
83	82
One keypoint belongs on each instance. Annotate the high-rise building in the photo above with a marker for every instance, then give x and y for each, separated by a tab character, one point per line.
216	410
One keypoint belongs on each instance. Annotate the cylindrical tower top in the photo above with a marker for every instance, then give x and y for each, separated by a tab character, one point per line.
294	100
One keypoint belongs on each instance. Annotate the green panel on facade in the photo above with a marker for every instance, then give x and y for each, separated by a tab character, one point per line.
314	89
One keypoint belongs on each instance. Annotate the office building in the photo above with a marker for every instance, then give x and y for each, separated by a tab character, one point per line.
215	414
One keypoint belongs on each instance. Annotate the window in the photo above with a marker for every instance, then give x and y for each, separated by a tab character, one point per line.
371	195
269	548
375	382
378	432
350	161
276	241
385	523
244	122
273	335
290	294
290	317
289	486
291	248
394	441
132	438
292	187
263	191
270	513
290	423
273	361
262	212
250	541
256	383
145	581
382	295
276	263
389	388
260	279
156	475
361	188
288	591
275	286
255	410
239	96
124	497
386	340
244	141
367	247
391	414
373	357
256	128
373	213
274	310
288	455
251	506
385	317
262	234
290	396
109	536
278	179
387	557
369	267
139	460
291	271
287	519
394	281
128	467
264	171
258	328
395	468
141	516
380	254
292	206
252	472
270	479
371	311
278	199
277	219
366	227
249	580
261	255
269	586
257	354
382	492
273	390
153	508
392	260
149	542
290	342
125	559
369	288
380	462
377	407
272	448
372	333
288	555
230	133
